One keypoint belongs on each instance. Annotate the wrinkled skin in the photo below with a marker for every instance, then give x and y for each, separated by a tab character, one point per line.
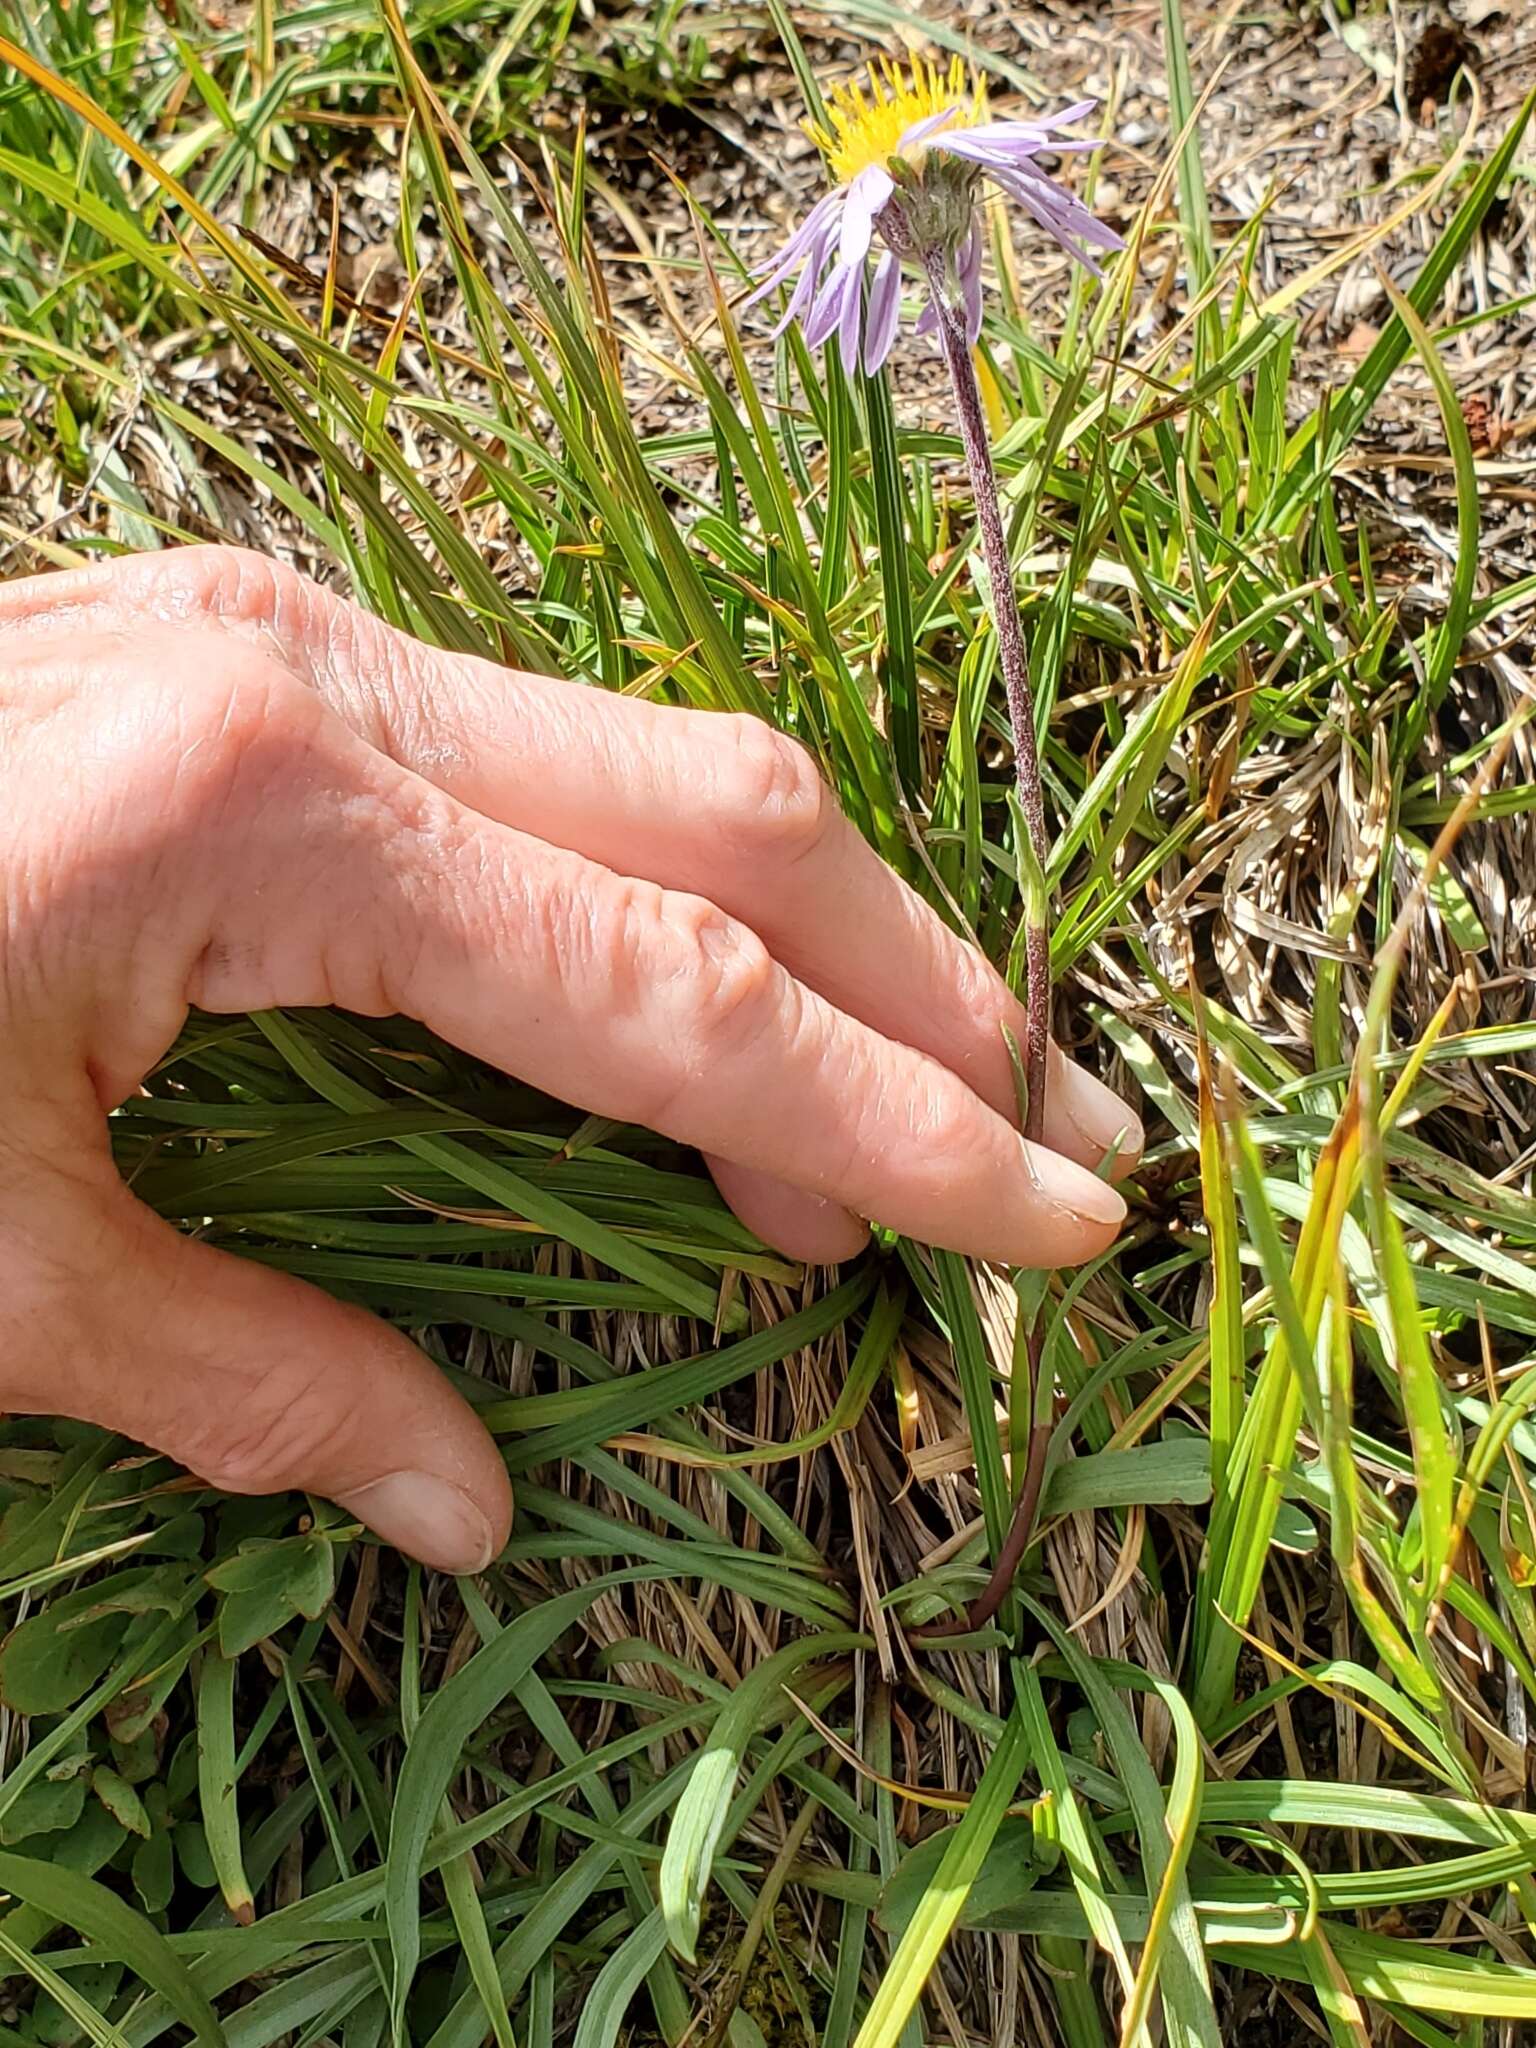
224	787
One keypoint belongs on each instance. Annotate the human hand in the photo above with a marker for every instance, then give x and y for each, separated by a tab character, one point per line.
224	787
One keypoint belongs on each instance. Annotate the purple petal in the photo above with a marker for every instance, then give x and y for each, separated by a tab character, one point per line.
1058	145
1001	134
804	291
827	312
787	251
866	195
818	323
808	238
1047	200
927	320
969	262
969	272
1070	114
1018	149
1058	211
1060	235
1036	127
768	284
882	313
1062	216
921	129
850	327
1010	144
1094	232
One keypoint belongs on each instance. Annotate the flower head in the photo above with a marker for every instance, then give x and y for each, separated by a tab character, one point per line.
861	129
907	155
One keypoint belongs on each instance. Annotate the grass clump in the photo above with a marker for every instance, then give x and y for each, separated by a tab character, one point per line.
1247	1750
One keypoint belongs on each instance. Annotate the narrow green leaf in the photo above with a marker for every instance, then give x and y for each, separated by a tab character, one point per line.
937	1910
498	1182
433	1757
216	1780
126	1936
891	527
1184	1976
976	1388
701	1813
606	2004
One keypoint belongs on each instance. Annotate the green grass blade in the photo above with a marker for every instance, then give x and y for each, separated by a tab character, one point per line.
432	1759
900	1988
1445	648
900	671
604	2009
495	1181
1309	461
700	1820
123	1935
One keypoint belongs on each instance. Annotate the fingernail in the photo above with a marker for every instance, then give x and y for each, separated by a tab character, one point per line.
428	1518
1103	1122
1073	1188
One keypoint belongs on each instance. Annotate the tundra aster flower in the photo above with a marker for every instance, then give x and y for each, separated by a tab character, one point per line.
908	156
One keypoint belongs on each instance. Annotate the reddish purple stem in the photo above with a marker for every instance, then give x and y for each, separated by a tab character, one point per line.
1037	948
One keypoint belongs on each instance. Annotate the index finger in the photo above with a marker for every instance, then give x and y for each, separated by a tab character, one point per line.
725	807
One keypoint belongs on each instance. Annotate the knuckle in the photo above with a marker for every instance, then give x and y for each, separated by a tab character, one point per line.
219	581
430	878
184	587
686	987
774	804
264	1443
729	978
152	733
208	764
236	724
610	939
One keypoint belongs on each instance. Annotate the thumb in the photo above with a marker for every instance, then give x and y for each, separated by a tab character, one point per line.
259	1383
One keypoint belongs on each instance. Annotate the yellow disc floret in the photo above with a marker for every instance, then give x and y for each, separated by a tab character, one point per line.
864	128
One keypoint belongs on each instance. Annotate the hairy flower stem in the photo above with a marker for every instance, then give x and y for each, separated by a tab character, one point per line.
1015	665
1037	946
